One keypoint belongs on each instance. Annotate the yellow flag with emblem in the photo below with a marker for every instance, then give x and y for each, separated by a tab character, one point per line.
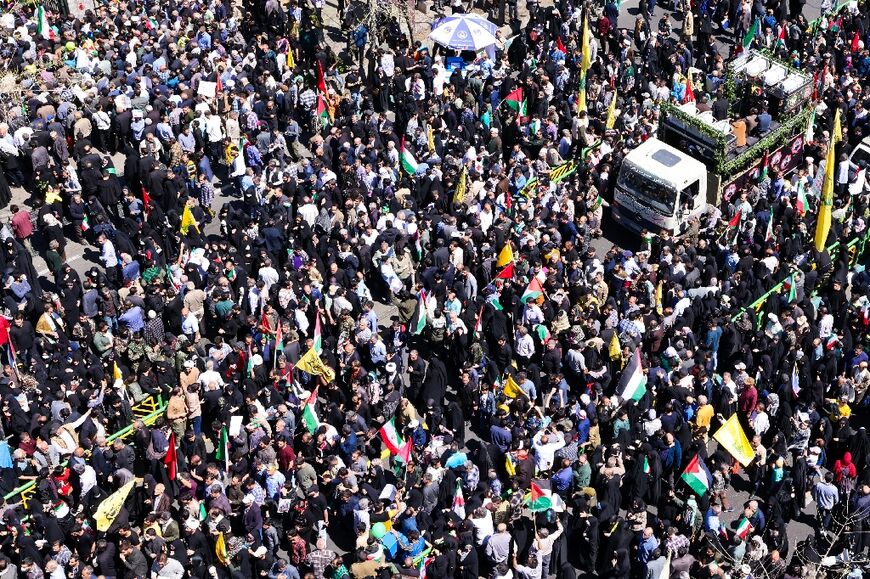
505	256
220	550
187	221
512	389
611	112
461	187
615	350
108	510
731	436
311	363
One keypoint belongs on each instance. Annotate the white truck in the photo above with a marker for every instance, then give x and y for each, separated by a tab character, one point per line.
697	160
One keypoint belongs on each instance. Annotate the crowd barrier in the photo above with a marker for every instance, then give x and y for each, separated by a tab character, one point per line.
149	411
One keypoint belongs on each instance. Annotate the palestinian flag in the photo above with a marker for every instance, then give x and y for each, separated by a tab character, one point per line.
321	81
540	499
743	528
478	325
533	292
762	174
279	338
515	101
309	413
250	367
318	335
222	452
506	273
801	204
856	43
407	160
392	440
321	113
42	26
632	382
751	34
459	500
561	45
495	301
735	221
697	476
404	454
792	289
780	38
418	322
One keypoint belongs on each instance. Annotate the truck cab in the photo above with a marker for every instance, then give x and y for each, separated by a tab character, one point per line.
659	188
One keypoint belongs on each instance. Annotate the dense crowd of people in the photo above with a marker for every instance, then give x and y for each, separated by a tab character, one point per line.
534	407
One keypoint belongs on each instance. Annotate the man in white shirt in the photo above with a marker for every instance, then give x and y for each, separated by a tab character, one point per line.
545	444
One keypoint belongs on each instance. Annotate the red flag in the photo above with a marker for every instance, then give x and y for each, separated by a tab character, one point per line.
506	273
562	49
690	94
171	460
321	82
219	85
146	202
856	42
508	202
734	220
536	492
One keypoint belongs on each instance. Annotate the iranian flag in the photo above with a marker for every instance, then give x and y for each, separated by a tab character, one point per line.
418	323
533	292
318	335
632	382
765	162
459	500
409	163
515	101
801	205
322	111
768	234
743	528
42	26
780	38
391	437
309	413
541	499
222	453
697	476
478	325
795	381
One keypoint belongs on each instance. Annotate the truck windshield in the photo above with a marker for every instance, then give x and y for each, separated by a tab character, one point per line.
654	195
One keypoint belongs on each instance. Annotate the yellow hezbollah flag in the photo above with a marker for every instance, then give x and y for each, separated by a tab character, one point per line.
731	436
118	377
823	223
291	63
611	112
108	510
461	187
505	256
187	221
220	550
512	389
614	349
311	363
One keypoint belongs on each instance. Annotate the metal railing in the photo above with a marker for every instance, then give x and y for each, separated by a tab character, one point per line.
148	411
856	249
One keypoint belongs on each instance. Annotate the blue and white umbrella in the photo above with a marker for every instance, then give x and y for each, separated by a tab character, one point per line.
464	32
